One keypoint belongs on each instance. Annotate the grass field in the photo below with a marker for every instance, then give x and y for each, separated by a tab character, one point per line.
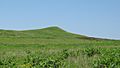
53	47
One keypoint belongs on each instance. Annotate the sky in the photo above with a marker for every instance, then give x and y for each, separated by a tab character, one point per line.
94	18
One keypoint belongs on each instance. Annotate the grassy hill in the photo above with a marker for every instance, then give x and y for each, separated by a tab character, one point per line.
53	47
50	32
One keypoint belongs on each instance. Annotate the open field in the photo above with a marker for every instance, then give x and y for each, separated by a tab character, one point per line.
55	48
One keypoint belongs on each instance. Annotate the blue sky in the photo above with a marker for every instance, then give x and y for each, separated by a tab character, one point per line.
96	18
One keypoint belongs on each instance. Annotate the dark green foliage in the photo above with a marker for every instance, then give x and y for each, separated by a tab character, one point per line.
56	60
91	52
10	62
108	58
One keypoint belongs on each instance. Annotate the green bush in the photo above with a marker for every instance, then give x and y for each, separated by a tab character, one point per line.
91	52
110	58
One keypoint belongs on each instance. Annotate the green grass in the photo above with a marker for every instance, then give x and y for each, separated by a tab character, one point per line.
53	47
